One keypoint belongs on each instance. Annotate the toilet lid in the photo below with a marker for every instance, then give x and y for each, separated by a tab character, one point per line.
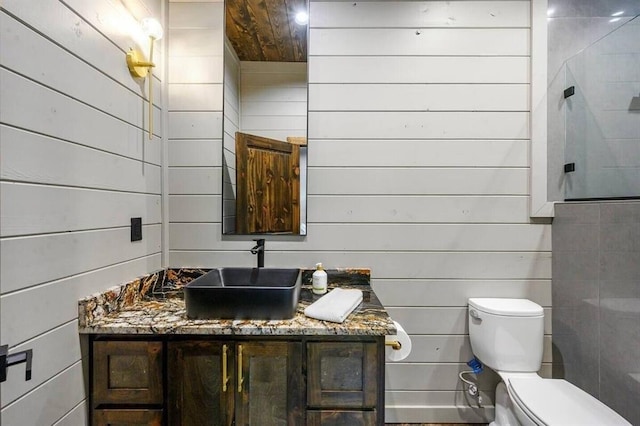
558	402
508	307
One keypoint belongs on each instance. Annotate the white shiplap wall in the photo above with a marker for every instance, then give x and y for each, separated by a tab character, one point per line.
196	57
426	108
273	99
231	126
419	138
75	167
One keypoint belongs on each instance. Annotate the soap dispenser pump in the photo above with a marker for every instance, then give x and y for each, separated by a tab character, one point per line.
319	279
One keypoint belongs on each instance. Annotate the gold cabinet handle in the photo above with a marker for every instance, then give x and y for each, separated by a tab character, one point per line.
240	378
225	375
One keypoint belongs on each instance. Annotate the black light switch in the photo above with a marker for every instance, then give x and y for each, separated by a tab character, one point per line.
570	91
136	228
570	167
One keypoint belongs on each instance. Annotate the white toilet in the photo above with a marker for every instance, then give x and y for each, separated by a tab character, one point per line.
506	335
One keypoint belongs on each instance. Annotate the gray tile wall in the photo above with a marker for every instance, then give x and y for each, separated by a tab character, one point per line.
596	301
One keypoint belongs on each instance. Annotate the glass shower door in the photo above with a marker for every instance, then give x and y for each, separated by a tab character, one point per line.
602	140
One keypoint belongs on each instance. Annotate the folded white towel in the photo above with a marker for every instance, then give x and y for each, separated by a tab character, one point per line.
335	306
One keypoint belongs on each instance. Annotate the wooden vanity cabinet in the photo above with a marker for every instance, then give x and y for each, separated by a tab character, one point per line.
235	383
343	380
272	389
129	417
127	382
200	383
238	381
342	418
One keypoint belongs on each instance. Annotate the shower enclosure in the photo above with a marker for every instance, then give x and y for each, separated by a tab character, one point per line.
602	118
595	288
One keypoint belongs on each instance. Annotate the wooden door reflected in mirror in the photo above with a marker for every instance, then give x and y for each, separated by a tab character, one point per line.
268	178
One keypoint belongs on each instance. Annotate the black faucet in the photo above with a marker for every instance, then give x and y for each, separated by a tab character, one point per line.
259	250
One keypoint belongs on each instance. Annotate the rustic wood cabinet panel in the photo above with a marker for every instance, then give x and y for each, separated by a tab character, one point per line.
341	418
235	383
270	384
200	383
124	417
126	372
342	374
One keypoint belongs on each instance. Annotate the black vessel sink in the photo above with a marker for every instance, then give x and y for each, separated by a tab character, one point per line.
244	293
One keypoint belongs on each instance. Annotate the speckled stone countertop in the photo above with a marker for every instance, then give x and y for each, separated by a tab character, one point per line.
153	304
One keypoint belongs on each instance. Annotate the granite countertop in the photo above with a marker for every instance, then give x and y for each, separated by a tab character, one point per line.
153	304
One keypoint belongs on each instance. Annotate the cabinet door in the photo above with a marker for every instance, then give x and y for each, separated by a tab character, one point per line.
125	417
342	374
200	384
127	372
341	418
269	384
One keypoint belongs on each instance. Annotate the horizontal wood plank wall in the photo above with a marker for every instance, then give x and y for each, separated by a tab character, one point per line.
273	99
231	126
75	165
196	88
418	150
418	165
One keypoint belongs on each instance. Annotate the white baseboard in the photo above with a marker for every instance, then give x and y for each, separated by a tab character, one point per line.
438	414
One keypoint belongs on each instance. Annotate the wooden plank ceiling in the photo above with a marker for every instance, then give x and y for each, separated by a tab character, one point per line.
265	30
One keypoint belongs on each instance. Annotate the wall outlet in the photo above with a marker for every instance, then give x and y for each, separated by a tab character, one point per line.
136	228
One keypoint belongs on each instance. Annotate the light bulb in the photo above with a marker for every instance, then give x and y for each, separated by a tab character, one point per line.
152	28
302	18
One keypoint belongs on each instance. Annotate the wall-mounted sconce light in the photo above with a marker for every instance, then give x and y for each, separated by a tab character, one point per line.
138	67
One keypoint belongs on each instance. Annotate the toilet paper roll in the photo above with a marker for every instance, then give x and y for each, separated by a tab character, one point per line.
405	341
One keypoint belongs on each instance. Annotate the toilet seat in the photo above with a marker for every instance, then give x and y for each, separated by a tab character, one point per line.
557	402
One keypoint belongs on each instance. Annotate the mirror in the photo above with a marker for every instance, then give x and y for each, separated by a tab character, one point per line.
265	118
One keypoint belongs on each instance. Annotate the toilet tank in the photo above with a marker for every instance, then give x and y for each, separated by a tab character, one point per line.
506	334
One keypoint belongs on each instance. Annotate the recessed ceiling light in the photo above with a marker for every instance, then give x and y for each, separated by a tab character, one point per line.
614	19
302	18
551	11
618	13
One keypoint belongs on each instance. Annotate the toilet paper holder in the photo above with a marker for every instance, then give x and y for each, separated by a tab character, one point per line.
399	344
395	344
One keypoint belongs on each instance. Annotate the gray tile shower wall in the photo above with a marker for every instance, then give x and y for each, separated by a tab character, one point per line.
575	246
596	301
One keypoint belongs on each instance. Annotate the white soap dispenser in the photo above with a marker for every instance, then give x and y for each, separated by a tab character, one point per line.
319	280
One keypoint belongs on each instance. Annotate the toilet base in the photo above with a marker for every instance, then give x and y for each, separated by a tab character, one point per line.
505	415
